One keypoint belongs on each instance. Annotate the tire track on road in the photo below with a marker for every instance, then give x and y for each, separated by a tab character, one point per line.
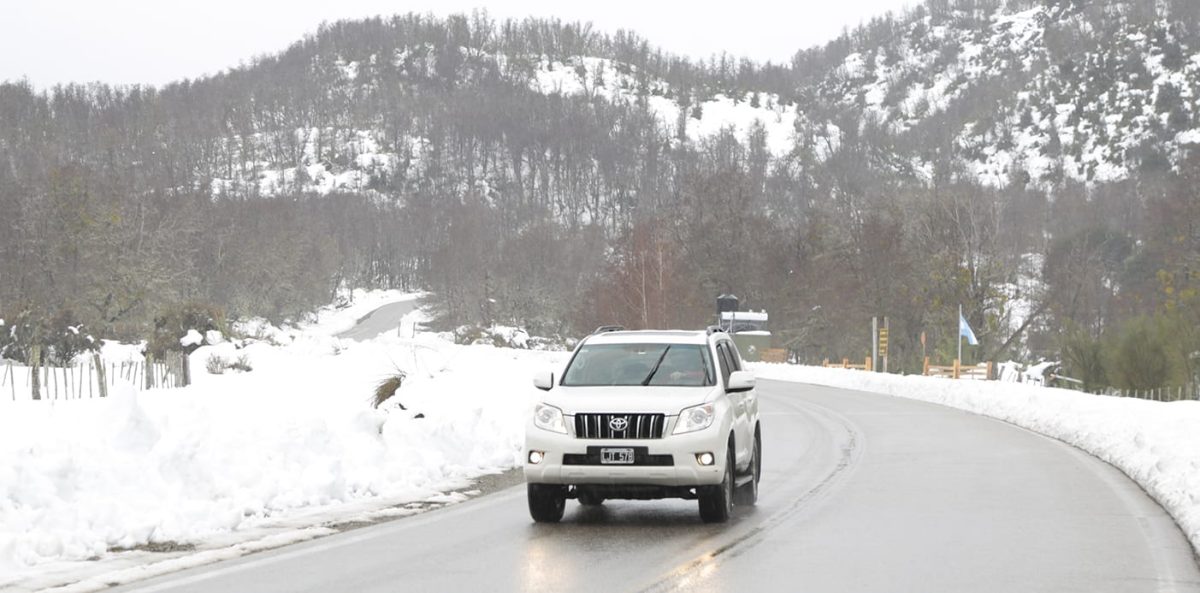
849	443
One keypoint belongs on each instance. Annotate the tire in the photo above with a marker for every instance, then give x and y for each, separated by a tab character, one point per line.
747	494
546	502
588	498
716	502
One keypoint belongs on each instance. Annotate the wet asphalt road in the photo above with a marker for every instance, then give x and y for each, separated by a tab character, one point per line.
860	492
382	320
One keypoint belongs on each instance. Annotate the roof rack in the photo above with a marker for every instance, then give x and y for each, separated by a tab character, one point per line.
603	329
713	329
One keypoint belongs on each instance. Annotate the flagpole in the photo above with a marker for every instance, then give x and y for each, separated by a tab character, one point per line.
960	336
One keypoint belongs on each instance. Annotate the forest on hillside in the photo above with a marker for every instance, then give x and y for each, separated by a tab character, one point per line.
1031	160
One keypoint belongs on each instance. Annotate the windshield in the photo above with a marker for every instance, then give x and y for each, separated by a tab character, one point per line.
677	365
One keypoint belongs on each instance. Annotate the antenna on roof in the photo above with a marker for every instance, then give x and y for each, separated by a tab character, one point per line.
603	329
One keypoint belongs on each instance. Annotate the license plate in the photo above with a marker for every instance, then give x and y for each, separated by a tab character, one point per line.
616	456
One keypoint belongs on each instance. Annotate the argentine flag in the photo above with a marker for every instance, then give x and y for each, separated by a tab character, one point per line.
964	330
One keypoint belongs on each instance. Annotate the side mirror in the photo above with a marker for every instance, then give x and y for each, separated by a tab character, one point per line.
740	381
544	380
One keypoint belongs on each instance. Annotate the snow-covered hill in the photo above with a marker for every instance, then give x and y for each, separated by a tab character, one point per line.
364	160
1065	91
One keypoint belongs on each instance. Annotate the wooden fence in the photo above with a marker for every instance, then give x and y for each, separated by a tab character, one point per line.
845	364
89	379
979	372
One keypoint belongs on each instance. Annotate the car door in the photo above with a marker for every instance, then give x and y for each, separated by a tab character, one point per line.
749	398
737	402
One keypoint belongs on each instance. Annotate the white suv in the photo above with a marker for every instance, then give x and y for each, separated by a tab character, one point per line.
646	415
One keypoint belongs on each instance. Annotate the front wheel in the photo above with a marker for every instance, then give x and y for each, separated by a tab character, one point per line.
716	502
747	494
546	502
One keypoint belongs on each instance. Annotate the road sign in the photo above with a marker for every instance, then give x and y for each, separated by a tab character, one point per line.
883	341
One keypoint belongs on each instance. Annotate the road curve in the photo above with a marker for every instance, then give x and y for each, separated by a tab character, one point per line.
860	492
382	320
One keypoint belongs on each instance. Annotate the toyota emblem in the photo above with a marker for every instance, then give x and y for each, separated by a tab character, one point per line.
618	424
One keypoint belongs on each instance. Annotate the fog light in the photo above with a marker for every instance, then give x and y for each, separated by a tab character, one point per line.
705	458
535	457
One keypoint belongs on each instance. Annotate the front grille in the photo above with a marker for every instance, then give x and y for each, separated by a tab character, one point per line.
641	456
637	426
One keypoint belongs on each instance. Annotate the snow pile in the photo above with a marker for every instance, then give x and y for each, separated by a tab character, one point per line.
239	451
193	338
1156	444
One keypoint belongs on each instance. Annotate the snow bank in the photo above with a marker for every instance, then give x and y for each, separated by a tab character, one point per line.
1156	444
238	451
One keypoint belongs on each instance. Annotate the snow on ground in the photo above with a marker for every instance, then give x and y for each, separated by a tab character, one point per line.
244	459
1154	443
237	452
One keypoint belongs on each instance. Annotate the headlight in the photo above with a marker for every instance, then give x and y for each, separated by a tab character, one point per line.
549	418
696	418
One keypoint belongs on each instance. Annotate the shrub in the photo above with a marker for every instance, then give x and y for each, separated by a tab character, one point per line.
17	334
217	364
173	324
1083	359
66	338
242	364
1138	357
498	336
388	387
62	337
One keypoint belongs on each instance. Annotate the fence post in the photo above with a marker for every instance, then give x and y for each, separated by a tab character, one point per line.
989	371
100	378
826	363
149	371
845	363
870	367
185	370
925	369
957	368
35	360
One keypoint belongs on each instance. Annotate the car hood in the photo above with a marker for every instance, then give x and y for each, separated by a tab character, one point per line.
660	400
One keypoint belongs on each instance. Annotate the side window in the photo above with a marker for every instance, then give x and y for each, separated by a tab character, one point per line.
735	357
723	360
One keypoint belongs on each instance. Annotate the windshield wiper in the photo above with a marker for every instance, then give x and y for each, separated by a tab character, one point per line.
646	381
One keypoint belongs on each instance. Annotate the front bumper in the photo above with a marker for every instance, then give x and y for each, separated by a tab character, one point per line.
685	470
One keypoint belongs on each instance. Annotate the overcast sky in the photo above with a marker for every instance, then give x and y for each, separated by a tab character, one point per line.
157	41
